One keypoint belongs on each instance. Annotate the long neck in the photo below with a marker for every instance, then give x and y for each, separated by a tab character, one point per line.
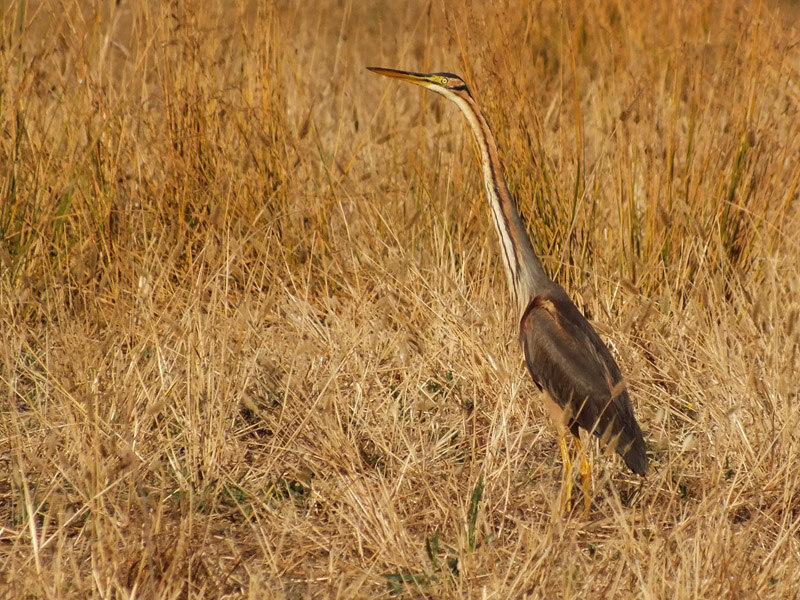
526	277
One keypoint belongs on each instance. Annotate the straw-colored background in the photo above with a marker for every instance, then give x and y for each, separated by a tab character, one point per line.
256	340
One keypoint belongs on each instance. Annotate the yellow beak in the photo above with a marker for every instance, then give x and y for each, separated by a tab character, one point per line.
410	77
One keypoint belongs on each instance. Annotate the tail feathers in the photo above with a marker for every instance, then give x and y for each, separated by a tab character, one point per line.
634	455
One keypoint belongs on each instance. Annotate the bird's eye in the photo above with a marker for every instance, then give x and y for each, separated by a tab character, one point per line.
444	80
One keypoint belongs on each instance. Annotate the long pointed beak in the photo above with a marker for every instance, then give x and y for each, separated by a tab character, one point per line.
409	76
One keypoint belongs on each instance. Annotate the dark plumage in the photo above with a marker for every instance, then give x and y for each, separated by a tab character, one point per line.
568	360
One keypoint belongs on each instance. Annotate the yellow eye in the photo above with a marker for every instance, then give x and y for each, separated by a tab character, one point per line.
444	80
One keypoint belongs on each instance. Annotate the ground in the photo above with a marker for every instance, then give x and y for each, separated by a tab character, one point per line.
257	340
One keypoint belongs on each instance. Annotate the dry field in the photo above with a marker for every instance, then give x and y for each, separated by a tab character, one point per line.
256	339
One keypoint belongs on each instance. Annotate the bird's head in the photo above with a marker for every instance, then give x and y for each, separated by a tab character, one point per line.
447	84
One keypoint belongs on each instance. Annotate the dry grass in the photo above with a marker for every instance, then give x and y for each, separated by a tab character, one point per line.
256	338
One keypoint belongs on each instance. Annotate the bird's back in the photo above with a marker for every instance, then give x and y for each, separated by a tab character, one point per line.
567	358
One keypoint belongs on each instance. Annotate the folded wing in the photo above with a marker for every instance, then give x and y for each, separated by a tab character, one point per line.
567	358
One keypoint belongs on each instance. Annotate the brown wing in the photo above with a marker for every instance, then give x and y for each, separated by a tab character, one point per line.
566	357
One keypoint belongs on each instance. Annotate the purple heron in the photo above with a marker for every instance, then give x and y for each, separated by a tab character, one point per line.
581	383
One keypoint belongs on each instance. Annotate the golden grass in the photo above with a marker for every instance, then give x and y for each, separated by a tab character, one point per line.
256	338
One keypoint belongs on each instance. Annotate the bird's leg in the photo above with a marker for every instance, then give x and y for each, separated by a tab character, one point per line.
586	477
560	419
566	482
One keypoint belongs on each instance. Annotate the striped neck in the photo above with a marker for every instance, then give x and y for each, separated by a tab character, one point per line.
526	277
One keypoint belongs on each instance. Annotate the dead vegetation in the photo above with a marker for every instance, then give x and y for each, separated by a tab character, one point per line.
256	340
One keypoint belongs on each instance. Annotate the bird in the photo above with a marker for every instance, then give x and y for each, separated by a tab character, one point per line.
576	374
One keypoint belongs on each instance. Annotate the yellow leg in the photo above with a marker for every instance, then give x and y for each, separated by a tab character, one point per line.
586	478
565	505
